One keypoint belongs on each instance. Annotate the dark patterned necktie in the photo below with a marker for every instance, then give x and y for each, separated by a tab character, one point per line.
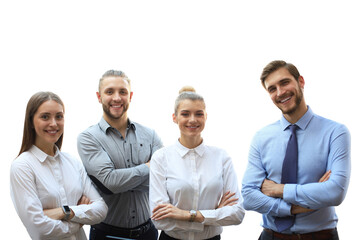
289	175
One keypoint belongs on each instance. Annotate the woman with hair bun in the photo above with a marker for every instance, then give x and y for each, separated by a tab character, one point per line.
51	191
193	187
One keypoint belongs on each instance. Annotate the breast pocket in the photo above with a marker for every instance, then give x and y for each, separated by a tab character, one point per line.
140	153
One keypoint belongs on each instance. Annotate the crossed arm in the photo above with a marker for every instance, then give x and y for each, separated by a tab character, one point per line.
276	190
162	211
58	213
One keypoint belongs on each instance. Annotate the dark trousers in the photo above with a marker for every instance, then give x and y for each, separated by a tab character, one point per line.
164	236
265	235
97	232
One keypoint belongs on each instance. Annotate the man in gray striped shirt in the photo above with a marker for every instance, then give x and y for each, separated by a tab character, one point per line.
116	154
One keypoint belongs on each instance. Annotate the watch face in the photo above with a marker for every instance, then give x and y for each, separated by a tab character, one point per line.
66	208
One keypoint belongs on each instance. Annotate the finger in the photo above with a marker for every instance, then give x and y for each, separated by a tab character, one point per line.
159	214
159	206
227	196
325	177
230	201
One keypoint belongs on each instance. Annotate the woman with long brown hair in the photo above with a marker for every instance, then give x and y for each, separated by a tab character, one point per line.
50	190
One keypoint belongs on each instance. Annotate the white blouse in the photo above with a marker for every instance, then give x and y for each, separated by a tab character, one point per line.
39	181
194	179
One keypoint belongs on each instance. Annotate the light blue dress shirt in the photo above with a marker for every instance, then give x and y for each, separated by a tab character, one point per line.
323	145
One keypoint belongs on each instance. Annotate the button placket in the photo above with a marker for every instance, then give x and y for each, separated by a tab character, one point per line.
59	179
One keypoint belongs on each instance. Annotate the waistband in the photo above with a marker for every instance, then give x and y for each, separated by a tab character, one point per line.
319	235
124	232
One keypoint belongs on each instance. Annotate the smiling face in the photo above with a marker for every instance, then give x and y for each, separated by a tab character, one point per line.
115	96
49	125
286	93
191	118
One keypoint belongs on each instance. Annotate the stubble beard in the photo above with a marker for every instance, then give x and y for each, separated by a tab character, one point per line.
108	113
298	100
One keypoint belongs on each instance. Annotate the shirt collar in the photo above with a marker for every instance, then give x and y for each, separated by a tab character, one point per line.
41	156
104	125
302	123
182	150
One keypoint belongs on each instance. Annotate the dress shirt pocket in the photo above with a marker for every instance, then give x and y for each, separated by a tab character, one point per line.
140	153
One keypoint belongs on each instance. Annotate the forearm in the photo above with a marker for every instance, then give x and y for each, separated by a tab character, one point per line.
90	214
255	200
58	213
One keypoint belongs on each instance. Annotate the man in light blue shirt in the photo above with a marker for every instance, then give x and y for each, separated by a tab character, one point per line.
323	170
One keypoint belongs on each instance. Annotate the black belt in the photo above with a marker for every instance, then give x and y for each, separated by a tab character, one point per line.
320	235
124	232
167	237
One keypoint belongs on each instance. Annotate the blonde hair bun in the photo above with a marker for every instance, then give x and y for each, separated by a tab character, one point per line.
187	89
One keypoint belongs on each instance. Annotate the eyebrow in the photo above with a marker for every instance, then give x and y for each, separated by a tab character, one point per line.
280	81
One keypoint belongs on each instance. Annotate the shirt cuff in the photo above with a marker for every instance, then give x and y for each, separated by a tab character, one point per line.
79	212
289	193
209	216
284	209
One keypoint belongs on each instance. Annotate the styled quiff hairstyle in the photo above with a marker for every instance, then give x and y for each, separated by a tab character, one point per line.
187	93
114	73
29	135
275	65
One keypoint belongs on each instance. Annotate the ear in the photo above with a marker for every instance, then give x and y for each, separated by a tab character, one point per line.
174	118
131	94
98	96
301	82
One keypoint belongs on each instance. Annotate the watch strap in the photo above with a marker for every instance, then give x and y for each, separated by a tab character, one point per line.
193	214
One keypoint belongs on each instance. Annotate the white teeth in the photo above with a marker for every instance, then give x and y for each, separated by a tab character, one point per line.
52	132
286	99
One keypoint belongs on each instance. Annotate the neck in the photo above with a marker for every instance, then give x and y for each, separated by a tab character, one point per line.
49	149
120	124
190	142
297	114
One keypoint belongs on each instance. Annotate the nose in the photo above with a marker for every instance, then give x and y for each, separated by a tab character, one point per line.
53	122
192	118
280	91
116	97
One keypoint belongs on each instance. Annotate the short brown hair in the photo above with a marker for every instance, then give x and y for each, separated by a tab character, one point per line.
29	135
114	73
275	65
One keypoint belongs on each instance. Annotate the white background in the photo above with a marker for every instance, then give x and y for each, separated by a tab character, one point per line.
219	47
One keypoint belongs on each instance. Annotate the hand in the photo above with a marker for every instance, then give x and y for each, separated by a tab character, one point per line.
148	164
295	209
167	210
272	189
325	177
227	199
84	200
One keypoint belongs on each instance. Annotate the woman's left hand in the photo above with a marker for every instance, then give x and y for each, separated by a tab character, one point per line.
167	210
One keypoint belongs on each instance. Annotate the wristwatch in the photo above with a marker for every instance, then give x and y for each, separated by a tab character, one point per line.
192	215
67	211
